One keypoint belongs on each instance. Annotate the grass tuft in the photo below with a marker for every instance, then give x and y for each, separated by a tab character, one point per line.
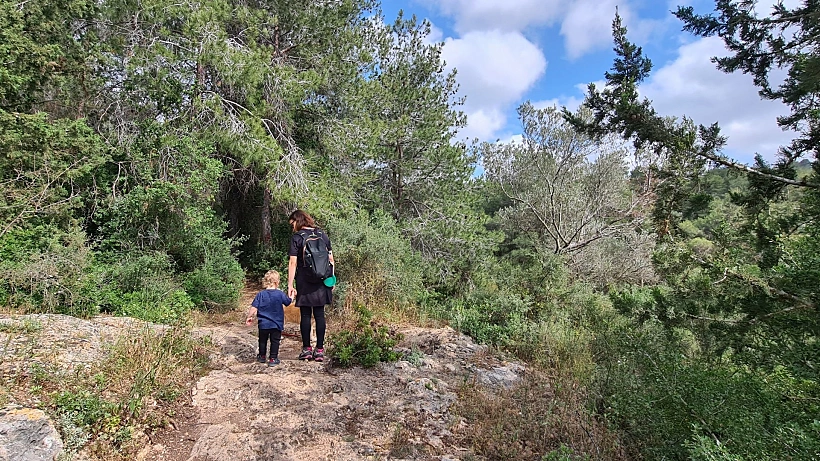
542	418
106	408
26	326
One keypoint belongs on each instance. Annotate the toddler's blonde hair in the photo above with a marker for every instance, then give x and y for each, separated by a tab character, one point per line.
270	279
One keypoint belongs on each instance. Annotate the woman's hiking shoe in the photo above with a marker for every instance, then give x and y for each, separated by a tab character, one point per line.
307	353
273	362
260	358
319	355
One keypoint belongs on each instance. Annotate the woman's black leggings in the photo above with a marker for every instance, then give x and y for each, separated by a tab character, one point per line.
275	336
304	325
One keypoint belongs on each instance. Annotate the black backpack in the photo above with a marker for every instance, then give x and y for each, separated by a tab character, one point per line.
315	255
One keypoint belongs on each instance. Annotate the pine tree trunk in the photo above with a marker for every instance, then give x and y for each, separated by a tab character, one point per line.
265	236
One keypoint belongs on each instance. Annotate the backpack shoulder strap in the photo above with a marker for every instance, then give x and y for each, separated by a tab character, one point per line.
303	244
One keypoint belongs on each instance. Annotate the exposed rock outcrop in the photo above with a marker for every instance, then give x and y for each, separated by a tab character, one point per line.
27	434
243	410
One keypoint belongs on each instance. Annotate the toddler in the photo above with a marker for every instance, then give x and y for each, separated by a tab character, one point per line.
268	308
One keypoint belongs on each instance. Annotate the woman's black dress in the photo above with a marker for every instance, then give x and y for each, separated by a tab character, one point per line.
309	291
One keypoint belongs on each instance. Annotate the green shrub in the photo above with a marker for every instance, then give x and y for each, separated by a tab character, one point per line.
367	344
149	278
165	218
169	310
139	270
556	332
378	267
672	405
491	317
537	275
564	346
138	279
145	285
5	293
540	415
564	453
93	416
641	303
45	269
263	260
704	448
134	388
24	327
212	275
209	289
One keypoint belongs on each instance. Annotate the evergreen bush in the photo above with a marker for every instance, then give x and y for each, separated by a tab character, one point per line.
378	267
671	403
46	269
366	344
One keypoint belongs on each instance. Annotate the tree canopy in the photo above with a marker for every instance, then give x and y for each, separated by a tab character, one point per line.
151	152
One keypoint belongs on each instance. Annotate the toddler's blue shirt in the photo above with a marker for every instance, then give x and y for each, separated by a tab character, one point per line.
270	309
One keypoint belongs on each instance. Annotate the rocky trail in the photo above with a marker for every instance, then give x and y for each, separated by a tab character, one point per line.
243	410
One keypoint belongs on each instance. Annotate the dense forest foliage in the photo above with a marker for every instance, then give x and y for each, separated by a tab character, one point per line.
151	151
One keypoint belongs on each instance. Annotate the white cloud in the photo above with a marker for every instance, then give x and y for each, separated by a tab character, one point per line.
703	7
483	124
498	64
514	139
587	25
570	102
436	35
495	69
692	86
508	15
791	4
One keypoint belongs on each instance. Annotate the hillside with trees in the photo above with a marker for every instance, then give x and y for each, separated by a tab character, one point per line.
151	152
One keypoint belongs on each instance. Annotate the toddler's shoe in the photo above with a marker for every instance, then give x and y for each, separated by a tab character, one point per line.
260	358
273	362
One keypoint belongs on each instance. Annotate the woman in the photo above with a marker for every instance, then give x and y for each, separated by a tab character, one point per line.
310	293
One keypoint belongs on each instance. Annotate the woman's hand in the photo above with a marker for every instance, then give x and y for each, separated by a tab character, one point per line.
292	293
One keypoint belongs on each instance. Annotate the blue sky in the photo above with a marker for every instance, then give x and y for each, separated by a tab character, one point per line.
547	51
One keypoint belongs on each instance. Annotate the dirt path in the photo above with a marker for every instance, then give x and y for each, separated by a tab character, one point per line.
244	411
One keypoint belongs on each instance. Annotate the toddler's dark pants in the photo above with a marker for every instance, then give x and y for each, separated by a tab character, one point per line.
275	336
